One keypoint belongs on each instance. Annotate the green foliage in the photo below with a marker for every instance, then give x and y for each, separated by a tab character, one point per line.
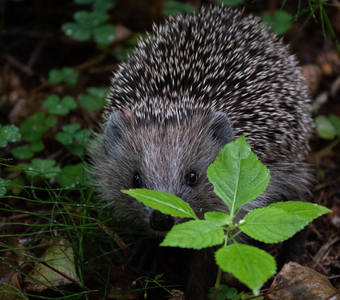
74	138
67	75
73	176
231	293
327	128
121	52
3	184
231	3
247	176
45	168
175	8
167	203
9	133
23	152
89	24
100	5
249	264
56	106
238	177
95	98
35	125
280	22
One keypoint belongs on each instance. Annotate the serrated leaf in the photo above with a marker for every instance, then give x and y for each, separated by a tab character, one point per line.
272	225
305	210
218	218
324	128
249	264
247	176
22	152
166	203
195	234
9	133
104	34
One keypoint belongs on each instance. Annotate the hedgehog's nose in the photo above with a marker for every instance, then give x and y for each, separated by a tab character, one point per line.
160	221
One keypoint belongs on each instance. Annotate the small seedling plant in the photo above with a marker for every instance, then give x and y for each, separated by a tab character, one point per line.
238	177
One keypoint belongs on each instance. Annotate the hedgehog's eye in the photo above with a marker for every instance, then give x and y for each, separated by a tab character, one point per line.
136	181
191	178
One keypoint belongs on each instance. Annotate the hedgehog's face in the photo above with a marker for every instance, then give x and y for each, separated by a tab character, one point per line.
173	158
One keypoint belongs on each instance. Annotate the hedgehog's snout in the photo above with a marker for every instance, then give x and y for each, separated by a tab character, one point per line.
160	221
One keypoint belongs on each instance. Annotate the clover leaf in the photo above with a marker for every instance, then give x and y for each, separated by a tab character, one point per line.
95	98
280	22
42	167
9	133
89	24
35	125
66	74
72	176
59	107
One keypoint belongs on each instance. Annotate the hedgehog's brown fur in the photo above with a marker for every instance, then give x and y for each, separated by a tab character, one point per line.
198	83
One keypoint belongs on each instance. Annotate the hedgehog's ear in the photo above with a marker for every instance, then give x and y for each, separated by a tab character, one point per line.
116	125
220	128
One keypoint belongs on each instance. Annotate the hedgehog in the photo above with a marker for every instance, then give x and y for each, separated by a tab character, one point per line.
196	84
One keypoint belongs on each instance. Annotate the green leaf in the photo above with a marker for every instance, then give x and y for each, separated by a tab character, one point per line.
59	107
218	218
175	8
249	264
37	146
73	176
71	128
305	210
82	136
9	133
224	292
90	102
90	20
82	1
22	152
231	3
65	138
195	234
98	92
272	225
247	176
104	34
166	203
335	120
324	128
3	184
70	76
55	76
35	125
76	32
103	5
42	167
280	22
76	149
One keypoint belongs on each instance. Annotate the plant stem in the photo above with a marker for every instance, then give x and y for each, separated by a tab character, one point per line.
331	32
217	284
